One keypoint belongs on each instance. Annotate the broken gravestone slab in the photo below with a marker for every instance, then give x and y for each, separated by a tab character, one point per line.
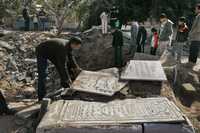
76	116
98	82
144	71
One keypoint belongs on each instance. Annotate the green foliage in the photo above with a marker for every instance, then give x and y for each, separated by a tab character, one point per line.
9	8
140	10
87	12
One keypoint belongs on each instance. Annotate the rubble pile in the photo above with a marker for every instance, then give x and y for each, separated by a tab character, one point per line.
18	63
97	52
18	68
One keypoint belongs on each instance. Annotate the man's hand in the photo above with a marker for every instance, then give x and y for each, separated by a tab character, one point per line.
66	84
76	71
79	70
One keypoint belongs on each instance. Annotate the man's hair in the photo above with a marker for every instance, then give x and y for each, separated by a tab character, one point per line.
163	15
182	19
75	40
153	30
198	5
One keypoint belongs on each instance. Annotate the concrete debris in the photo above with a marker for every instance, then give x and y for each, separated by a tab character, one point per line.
28	92
189	87
17	60
30	60
5	45
28	112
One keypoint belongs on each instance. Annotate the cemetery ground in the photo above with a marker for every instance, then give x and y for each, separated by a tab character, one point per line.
18	74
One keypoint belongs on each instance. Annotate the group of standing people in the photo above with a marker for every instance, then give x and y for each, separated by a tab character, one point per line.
39	18
161	39
184	35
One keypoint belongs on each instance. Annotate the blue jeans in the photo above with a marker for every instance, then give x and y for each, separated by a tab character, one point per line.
42	75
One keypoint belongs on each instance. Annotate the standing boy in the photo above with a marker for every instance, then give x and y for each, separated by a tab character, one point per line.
154	41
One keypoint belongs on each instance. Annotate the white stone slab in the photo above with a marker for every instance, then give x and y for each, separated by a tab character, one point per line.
144	70
80	113
98	83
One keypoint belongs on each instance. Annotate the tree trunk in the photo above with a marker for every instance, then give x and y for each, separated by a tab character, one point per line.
155	8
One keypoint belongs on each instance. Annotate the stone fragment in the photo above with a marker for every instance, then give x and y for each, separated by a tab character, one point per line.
28	112
189	87
29	91
5	45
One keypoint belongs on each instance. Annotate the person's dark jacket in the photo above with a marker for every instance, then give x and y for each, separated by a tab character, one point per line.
142	35
42	13
194	33
58	51
25	14
182	33
117	38
167	31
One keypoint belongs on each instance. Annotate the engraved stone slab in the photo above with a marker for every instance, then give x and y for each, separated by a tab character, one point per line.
98	83
81	113
144	70
126	111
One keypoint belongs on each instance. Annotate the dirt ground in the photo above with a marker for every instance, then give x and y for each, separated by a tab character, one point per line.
7	123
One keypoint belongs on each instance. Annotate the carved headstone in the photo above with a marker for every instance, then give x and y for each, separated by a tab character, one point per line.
144	71
80	114
98	83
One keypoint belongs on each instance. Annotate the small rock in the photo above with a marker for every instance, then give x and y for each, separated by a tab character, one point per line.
28	79
21	76
6	45
189	87
29	91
